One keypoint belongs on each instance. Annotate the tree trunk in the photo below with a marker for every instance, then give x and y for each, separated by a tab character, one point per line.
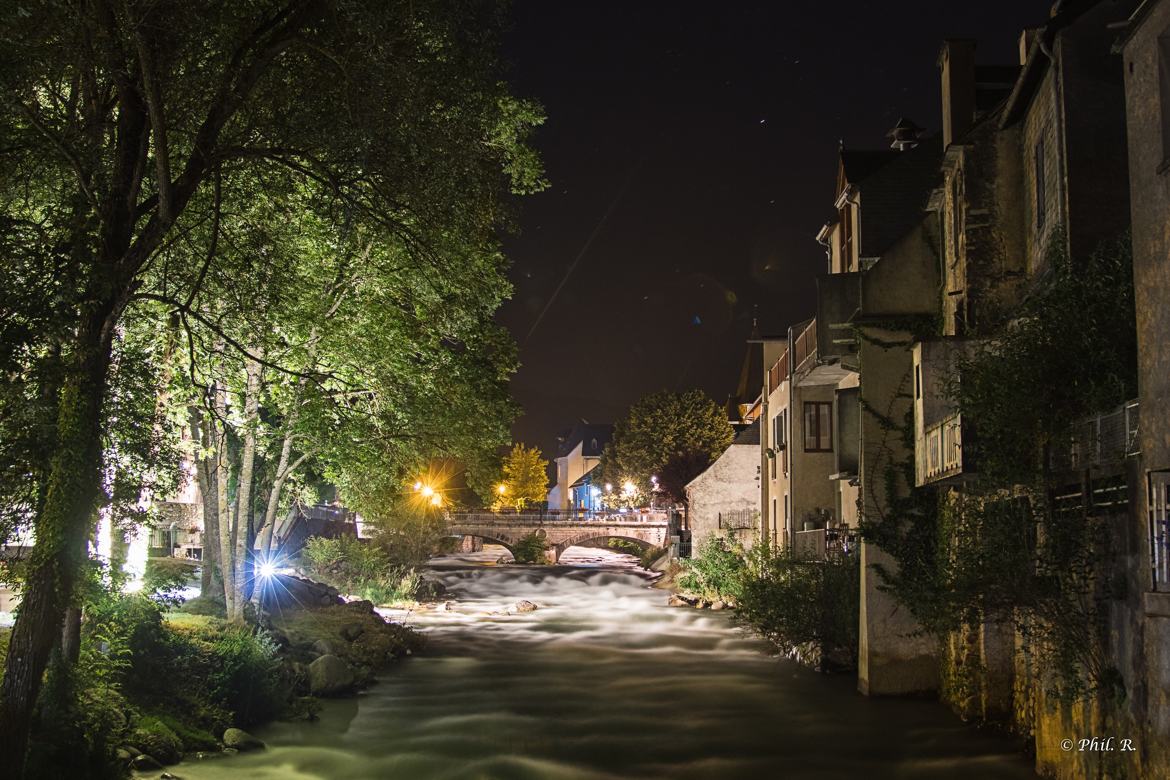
204	474
255	372
74	482
222	507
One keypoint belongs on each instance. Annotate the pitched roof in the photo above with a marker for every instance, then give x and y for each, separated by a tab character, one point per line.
749	435
894	194
591	436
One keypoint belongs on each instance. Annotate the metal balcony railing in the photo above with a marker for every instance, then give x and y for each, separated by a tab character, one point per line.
1100	440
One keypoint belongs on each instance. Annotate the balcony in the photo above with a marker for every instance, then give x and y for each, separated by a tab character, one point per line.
838	302
1101	440
939	451
810	366
822	543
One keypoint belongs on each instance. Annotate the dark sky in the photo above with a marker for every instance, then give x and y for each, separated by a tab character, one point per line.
709	132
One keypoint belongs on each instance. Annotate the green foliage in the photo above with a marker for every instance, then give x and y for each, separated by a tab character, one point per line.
717	572
530	549
164	577
524	478
796	603
672	436
359	568
650	555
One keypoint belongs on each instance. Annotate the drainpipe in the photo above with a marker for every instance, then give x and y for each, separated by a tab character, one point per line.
791	442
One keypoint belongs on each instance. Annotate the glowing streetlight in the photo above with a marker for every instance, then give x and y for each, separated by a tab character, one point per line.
267	569
608	488
428	491
501	489
628	488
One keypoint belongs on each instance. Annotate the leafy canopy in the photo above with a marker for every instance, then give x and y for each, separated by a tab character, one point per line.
670	436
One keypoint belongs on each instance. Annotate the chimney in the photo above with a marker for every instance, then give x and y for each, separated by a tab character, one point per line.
905	135
957	63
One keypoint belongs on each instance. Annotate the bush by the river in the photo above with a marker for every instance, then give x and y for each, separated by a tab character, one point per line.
806	608
160	684
360	568
529	549
717	572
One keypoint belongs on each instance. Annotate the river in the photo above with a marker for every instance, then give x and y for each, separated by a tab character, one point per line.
605	681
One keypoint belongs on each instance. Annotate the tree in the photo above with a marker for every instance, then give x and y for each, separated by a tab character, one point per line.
133	134
667	436
525	477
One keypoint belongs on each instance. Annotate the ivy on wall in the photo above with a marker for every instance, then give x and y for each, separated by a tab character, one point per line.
1001	548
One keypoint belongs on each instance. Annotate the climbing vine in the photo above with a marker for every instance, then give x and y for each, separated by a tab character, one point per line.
1003	547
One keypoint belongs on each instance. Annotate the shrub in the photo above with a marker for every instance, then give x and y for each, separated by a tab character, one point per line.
717	572
529	549
165	577
650	555
359	569
795	604
246	675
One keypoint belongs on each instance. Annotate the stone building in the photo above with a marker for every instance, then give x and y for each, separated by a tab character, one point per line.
725	498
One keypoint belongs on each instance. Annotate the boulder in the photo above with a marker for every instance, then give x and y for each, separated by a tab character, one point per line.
322	647
524	606
144	763
365	607
168	776
351	631
158	742
718	604
330	676
241	740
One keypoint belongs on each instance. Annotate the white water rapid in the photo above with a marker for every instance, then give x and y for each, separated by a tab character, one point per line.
605	681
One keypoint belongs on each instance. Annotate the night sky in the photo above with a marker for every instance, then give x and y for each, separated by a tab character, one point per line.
708	133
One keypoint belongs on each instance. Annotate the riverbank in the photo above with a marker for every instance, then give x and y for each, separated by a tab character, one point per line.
603	680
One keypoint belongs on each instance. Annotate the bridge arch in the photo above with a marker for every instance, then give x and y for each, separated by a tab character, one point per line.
488	540
559	549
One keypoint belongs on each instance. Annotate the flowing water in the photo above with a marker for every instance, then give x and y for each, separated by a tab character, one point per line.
605	681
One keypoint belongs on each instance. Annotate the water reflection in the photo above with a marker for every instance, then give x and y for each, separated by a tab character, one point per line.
605	681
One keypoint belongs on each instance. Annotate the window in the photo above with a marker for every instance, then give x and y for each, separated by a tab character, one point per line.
1041	200
847	236
918	381
1164	95
818	426
1159	500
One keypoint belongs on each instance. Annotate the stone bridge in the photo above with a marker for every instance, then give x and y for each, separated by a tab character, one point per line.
647	530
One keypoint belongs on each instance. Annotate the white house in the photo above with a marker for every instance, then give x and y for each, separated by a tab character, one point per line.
725	499
579	451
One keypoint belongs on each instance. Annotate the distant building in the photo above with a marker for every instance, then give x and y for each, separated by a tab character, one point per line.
585	494
725	498
579	451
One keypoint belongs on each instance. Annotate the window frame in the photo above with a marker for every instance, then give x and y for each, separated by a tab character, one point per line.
824	413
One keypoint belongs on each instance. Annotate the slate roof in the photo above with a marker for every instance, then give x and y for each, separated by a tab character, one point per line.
749	435
591	436
893	193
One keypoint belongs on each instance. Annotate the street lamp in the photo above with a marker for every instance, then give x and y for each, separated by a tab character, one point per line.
501	489
428	491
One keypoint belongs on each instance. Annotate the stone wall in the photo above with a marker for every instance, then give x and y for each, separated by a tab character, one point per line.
730	485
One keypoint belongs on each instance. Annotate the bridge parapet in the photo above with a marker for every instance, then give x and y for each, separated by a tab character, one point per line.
647	529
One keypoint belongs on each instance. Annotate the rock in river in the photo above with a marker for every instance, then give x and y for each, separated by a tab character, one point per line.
241	740
330	676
